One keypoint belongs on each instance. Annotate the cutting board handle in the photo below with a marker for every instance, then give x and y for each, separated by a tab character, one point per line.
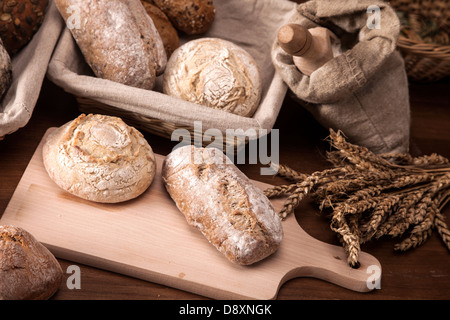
325	261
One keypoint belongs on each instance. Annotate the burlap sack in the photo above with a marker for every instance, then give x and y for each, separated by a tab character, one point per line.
29	67
362	91
252	24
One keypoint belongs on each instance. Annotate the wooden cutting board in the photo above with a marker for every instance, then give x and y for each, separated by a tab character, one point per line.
148	238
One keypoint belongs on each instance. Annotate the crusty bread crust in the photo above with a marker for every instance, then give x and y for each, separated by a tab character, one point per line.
118	40
215	73
190	17
28	271
167	31
220	201
99	158
20	20
5	70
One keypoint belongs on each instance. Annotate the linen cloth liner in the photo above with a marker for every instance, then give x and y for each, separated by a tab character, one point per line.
251	24
364	90
29	67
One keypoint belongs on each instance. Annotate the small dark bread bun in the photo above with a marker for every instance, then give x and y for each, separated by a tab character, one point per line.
215	73
19	20
5	70
167	31
191	17
28	271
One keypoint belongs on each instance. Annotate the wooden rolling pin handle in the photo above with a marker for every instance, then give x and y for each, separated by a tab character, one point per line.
294	39
310	49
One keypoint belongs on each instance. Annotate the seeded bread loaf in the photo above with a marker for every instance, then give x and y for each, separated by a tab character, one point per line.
5	70
216	73
167	31
118	40
99	158
220	201
19	20
28	271
189	16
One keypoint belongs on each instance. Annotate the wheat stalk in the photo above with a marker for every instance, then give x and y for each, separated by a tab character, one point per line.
368	196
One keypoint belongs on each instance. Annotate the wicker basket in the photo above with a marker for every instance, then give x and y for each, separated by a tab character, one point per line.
243	22
424	61
156	126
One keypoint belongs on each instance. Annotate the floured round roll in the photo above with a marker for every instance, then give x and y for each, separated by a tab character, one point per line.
99	158
5	70
215	73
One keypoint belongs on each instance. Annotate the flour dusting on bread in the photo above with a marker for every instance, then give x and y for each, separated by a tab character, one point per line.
99	158
219	200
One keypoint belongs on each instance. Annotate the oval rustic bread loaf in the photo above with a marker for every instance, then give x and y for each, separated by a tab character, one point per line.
219	200
28	271
216	73
19	20
167	31
99	158
5	70
190	16
118	40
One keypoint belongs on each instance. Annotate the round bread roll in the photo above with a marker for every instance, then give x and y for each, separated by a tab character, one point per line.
99	158
167	31
28	271
191	17
19	21
5	70
216	73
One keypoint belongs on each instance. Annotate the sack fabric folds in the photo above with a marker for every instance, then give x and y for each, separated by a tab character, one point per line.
363	90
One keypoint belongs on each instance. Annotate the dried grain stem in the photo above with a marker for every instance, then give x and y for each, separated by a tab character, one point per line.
368	196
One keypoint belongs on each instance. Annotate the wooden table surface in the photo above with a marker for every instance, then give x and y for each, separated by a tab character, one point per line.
422	273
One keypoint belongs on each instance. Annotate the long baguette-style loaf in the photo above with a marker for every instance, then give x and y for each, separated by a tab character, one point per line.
218	199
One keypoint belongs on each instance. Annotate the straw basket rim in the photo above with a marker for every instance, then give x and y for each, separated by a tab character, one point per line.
425	61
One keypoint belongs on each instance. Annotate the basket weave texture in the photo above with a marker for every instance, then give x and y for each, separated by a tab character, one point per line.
427	59
243	22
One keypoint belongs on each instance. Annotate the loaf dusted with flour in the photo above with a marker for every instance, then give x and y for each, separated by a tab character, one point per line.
117	38
28	271
99	158
219	200
216	73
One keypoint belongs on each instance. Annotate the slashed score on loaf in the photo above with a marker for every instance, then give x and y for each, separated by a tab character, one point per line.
99	158
118	40
222	203
19	21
